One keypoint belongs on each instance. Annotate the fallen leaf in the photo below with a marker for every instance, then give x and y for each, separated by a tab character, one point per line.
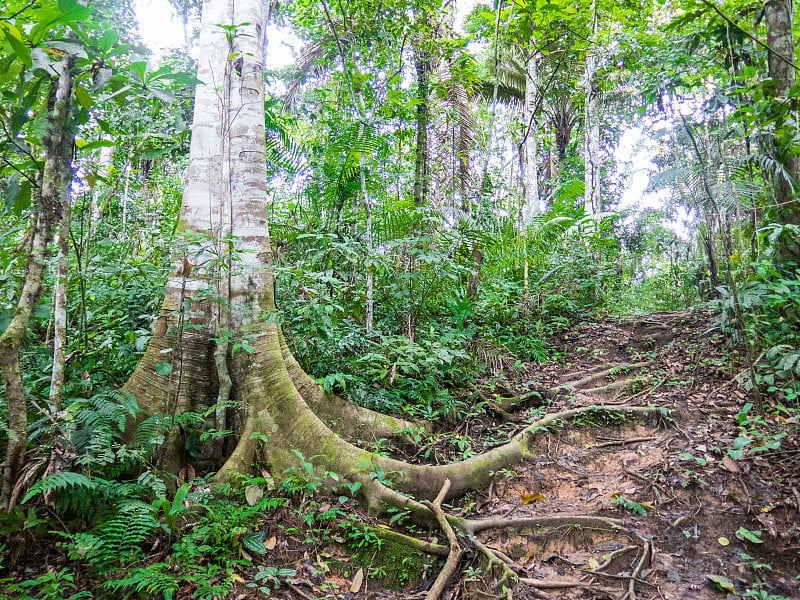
269	480
271	543
730	464
593	564
768	521
723	541
253	493
528	498
357	581
723	583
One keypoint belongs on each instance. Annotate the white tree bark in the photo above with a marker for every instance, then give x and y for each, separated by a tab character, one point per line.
532	203
225	191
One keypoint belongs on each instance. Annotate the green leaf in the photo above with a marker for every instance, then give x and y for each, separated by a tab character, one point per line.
740	442
108	40
14	37
255	542
750	536
163	368
60	480
140	68
153	154
162	95
84	99
99	144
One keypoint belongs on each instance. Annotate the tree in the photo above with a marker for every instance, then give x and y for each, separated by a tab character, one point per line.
592	199
782	71
219	307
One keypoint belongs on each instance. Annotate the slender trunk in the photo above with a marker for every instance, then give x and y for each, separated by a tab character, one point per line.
593	203
422	64
780	61
54	186
530	177
370	307
60	306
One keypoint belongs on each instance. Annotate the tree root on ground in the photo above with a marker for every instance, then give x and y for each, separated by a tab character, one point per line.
509	570
503	405
610	370
472	472
456	551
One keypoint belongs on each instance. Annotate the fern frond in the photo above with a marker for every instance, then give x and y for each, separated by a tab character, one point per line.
153	581
64	479
123	533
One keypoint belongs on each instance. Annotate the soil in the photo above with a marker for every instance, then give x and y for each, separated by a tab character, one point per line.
719	527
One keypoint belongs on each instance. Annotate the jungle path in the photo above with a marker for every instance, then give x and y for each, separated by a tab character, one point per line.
695	523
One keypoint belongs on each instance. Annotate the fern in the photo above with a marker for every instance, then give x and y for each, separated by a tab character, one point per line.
120	536
151	581
65	479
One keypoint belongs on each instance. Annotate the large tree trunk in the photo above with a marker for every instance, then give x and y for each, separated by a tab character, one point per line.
220	290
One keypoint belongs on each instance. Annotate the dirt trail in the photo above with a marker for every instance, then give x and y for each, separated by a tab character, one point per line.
674	485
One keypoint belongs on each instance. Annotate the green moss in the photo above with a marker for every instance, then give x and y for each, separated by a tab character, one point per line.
390	563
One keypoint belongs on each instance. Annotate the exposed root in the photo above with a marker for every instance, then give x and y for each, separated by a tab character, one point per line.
553	584
456	551
557	521
624	442
406	540
610	371
647	392
613	556
616	386
475	526
508	578
343	417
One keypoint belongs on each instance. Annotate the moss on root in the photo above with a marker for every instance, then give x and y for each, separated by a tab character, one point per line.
393	563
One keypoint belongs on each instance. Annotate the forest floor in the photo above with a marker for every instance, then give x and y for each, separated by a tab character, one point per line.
695	522
717	526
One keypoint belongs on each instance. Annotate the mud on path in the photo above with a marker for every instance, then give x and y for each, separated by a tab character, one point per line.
718	526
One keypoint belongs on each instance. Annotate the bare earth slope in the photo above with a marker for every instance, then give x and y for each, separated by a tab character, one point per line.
675	485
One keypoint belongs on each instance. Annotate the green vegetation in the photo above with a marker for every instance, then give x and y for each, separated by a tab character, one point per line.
435	233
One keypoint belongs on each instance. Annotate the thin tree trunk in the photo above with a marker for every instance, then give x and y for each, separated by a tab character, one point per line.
422	64
593	203
60	306
54	186
778	15
533	204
